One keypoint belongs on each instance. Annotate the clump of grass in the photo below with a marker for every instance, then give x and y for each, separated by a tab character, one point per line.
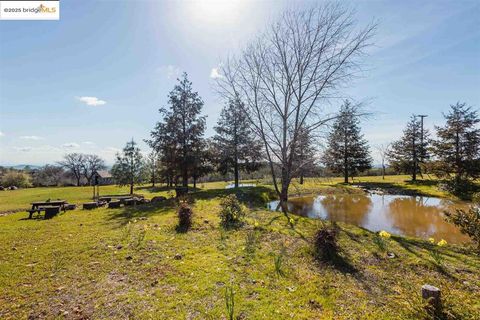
126	232
380	243
278	262
251	243
185	214
232	212
230	302
139	238
325	243
58	263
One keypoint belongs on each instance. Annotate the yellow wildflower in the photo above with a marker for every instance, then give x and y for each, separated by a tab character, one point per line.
384	234
291	221
431	240
442	243
255	224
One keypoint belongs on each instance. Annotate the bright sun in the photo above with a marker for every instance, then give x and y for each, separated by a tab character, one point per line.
214	11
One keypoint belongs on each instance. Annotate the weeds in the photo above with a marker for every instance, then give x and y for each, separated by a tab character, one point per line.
230	302
251	243
278	261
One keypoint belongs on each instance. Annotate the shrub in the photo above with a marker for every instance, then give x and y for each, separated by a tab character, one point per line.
16	178
232	212
325	243
468	221
185	214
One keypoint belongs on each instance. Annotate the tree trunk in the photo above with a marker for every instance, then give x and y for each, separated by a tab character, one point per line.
131	188
301	178
194	182
236	172
383	172
78	181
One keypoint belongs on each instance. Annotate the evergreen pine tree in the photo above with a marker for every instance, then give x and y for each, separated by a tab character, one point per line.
235	142
347	151
407	153
179	136
458	143
129	168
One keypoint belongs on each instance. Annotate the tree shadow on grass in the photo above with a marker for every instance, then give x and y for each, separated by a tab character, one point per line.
125	214
251	196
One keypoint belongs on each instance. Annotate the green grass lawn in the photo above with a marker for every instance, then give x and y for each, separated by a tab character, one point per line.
131	263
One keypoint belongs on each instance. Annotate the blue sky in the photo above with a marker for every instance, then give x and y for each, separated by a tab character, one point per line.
96	78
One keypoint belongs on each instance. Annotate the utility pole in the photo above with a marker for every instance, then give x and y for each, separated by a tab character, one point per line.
422	151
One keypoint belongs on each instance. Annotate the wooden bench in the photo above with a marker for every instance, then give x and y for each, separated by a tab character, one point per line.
50	211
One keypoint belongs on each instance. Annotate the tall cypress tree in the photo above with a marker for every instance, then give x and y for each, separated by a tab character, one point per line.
411	150
236	143
347	151
180	134
458	143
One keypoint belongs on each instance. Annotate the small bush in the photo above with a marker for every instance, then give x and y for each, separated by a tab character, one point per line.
325	243
232	212
17	179
468	221
185	214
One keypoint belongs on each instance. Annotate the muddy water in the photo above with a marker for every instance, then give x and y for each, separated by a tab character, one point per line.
403	215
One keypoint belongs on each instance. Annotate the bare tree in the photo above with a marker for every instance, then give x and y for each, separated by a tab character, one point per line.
287	74
91	164
383	150
74	162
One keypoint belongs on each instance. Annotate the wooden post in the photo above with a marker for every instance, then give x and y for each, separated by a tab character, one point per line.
432	294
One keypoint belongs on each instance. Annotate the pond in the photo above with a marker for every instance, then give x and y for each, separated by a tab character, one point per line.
241	185
420	217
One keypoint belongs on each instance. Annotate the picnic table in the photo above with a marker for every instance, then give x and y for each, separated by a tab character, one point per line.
39	206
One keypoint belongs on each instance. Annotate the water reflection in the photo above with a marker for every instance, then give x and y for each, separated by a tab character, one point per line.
405	215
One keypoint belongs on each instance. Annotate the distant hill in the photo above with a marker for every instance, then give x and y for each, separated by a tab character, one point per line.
22	166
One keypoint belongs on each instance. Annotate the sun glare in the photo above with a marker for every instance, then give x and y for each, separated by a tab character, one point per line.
214	11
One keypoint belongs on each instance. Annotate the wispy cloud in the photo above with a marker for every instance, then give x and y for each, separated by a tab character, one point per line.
70	145
214	74
88	143
170	71
22	149
31	138
92	101
1	134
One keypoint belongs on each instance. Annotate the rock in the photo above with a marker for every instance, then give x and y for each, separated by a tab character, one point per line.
158	199
433	296
129	258
119	247
206	221
178	256
2	188
13	188
390	255
142	218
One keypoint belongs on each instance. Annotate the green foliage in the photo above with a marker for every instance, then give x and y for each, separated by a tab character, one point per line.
458	143
436	256
380	243
16	178
347	150
236	145
230	302
251	243
232	212
129	168
325	243
408	153
185	214
178	138
468	221
278	262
